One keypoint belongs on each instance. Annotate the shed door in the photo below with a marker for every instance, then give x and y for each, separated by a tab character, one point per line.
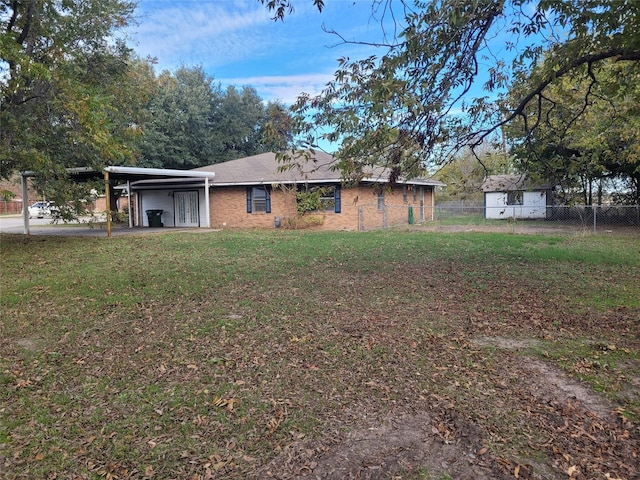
186	204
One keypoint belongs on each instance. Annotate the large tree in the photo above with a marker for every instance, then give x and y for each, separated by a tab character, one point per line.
70	94
193	122
59	101
586	138
443	70
276	130
179	131
236	122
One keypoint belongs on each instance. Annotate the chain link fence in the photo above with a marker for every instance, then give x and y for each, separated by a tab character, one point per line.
460	217
375	217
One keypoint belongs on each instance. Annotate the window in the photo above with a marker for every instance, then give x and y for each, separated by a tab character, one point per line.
404	194
514	198
380	200
258	200
323	198
330	199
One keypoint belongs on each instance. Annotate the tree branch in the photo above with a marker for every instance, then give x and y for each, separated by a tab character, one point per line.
616	54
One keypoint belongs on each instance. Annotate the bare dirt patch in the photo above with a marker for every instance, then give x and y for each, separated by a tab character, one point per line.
27	344
407	445
550	383
504	343
553	385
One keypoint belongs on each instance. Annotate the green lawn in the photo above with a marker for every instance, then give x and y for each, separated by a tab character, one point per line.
184	355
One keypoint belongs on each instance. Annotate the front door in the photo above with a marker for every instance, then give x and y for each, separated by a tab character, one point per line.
187	212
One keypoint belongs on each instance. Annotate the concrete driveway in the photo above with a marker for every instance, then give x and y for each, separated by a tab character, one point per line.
82	228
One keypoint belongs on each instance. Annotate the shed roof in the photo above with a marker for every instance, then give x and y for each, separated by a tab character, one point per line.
510	182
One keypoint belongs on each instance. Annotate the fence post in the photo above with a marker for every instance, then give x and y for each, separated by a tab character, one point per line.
595	208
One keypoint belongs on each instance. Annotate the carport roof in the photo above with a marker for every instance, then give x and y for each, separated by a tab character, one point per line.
128	173
135	173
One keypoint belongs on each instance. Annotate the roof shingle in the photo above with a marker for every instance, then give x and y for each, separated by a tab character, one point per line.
265	169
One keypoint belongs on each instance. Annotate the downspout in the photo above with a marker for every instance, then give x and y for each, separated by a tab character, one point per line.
25	204
433	203
207	206
129	203
108	200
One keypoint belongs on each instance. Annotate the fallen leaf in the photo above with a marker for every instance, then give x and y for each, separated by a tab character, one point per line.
273	424
225	403
230	403
219	465
571	470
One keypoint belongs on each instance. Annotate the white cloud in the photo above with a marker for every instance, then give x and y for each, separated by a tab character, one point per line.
285	88
237	43
198	33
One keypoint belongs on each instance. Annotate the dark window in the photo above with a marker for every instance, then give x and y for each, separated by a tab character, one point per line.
514	198
328	199
258	200
321	198
380	200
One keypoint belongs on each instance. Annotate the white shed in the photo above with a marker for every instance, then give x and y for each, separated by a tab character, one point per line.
514	196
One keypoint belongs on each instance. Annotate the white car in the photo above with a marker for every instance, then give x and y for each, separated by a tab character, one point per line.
40	210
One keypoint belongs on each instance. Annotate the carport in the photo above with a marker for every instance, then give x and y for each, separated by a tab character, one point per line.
126	174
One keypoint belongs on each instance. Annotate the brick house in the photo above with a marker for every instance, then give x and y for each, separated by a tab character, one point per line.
252	192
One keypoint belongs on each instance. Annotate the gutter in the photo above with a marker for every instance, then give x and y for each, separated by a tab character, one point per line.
161	172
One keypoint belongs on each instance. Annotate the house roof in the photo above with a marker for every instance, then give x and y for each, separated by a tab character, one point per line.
510	182
265	169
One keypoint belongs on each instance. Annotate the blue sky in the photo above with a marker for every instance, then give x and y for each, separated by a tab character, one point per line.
237	43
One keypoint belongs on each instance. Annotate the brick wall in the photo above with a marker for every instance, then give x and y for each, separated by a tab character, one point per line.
396	208
10	207
229	209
